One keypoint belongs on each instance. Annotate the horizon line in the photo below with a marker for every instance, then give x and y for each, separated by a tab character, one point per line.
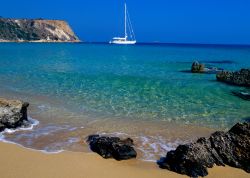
173	43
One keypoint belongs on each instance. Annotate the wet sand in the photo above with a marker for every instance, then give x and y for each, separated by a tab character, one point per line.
25	163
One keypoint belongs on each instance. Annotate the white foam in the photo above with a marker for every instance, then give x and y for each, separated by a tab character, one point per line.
44	108
53	148
155	147
151	147
115	134
32	123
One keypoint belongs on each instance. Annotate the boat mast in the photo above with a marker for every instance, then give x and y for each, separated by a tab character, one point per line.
125	22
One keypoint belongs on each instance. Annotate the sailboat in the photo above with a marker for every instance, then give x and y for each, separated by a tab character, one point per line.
129	36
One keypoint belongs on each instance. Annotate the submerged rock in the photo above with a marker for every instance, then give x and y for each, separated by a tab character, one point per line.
231	148
112	147
201	68
241	78
13	113
243	95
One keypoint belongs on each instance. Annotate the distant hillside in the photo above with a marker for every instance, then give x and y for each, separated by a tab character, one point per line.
35	30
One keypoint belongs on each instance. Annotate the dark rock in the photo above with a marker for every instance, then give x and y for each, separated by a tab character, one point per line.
197	67
240	78
243	95
13	113
2	127
112	147
231	148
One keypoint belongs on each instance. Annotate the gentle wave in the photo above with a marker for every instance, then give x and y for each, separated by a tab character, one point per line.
32	123
151	147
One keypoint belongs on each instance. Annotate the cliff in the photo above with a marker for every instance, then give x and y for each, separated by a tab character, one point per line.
35	30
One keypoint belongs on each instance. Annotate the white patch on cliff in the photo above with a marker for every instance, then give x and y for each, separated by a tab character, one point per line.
18	22
59	33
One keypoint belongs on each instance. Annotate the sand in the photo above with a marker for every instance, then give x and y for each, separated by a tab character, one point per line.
20	162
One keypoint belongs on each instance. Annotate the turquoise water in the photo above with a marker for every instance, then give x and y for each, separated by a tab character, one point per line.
132	82
128	83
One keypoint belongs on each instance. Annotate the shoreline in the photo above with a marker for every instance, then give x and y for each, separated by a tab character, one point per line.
74	164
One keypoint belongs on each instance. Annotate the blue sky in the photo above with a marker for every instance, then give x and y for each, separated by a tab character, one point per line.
171	21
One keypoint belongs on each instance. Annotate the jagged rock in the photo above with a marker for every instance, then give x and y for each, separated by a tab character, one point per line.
197	67
201	68
231	148
241	78
2	127
112	147
13	113
242	95
35	30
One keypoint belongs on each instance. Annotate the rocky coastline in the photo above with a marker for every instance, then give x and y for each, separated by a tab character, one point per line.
230	148
36	30
221	148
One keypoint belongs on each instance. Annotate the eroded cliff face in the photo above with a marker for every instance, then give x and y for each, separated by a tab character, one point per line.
36	30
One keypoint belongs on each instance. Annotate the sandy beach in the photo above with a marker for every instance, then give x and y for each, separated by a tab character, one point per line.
25	163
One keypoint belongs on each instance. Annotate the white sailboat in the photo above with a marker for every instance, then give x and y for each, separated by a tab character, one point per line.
129	37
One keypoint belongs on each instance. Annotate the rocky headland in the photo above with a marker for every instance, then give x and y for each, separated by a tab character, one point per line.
230	148
36	30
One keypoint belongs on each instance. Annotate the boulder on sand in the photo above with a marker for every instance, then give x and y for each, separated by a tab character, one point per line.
13	113
112	147
231	148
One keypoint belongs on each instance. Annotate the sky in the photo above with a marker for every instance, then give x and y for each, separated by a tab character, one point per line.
166	21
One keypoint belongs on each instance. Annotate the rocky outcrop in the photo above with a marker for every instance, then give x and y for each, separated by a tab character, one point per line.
241	78
231	148
35	30
13	113
201	68
112	147
197	67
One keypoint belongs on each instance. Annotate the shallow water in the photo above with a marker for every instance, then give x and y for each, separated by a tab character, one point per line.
138	91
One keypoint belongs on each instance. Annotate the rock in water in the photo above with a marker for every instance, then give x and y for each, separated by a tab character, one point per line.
231	148
112	147
197	67
241	78
243	95
201	68
13	113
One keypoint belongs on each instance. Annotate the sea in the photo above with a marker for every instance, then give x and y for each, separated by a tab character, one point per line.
145	92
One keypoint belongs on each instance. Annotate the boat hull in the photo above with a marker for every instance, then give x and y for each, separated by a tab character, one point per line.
123	42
